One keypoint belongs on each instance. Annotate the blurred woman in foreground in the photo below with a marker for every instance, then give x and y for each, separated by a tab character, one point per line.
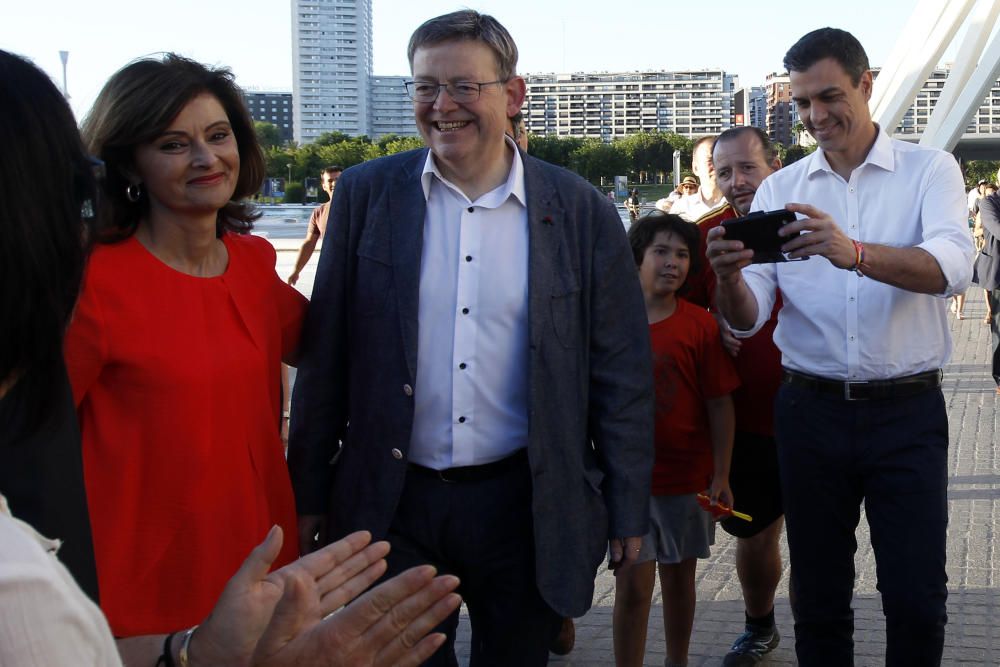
45	619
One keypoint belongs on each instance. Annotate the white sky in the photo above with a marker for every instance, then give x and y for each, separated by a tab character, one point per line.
253	37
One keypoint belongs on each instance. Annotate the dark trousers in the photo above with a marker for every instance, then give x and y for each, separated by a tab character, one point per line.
480	532
993	300
891	454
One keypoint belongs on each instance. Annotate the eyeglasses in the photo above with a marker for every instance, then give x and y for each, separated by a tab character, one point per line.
460	91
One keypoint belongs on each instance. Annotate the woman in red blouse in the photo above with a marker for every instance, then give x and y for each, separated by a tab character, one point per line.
175	348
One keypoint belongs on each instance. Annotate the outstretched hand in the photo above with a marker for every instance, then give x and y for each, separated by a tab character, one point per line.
334	575
294	615
386	626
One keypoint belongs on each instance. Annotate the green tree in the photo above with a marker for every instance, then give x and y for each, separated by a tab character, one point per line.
329	138
593	159
653	152
401	144
794	153
268	134
295	193
797	130
553	149
278	159
347	153
977	170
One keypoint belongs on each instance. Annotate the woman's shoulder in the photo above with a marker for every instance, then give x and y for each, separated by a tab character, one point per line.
253	247
109	261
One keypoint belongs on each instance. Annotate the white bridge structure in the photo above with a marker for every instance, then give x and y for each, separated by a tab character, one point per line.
932	28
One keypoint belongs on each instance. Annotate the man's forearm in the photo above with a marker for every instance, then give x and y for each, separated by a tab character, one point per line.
722	428
736	302
305	252
911	269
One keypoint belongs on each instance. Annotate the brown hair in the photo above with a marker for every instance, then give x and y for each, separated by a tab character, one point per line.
47	191
135	106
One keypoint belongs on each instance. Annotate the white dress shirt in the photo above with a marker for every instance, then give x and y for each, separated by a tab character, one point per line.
836	324
693	206
471	393
45	619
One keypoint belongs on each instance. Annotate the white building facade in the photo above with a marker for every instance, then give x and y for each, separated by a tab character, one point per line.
391	110
611	105
331	67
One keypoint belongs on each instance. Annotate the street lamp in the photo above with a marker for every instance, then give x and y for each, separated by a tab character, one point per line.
677	168
289	173
64	56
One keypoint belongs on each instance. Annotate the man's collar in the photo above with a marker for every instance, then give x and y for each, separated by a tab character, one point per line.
879	155
513	186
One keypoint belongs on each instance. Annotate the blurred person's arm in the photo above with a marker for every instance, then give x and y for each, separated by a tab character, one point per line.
313	235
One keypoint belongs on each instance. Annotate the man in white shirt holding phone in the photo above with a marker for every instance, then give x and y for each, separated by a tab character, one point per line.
863	334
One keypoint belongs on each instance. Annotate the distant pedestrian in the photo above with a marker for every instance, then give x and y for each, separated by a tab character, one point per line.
517	131
317	222
686	187
633	205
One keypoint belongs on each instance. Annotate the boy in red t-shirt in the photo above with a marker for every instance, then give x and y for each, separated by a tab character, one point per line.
694	440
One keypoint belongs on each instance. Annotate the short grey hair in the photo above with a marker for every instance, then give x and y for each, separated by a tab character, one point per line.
468	24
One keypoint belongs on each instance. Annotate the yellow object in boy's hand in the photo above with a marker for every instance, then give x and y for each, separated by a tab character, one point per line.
719	510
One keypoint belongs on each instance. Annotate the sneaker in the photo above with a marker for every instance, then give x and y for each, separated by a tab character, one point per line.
751	647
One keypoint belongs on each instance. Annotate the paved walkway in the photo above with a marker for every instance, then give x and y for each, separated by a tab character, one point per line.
973	636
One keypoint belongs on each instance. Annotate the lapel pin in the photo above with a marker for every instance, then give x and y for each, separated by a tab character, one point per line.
547	220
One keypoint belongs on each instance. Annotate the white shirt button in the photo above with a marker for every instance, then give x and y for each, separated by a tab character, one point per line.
396	454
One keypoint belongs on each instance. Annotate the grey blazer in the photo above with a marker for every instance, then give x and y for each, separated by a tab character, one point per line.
590	387
986	268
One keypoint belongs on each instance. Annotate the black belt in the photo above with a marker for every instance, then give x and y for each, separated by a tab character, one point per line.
868	389
473	473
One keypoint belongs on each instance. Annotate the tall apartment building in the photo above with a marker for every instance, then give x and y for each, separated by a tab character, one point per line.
272	107
391	111
750	107
610	105
331	66
778	121
758	107
986	120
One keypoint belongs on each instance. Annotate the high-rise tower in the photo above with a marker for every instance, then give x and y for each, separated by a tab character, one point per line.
331	67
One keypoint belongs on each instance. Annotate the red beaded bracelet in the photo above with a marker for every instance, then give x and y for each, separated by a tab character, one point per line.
859	259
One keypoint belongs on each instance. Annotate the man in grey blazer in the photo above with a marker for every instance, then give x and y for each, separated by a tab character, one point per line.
475	382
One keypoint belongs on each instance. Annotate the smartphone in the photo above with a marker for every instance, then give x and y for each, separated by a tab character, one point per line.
759	232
